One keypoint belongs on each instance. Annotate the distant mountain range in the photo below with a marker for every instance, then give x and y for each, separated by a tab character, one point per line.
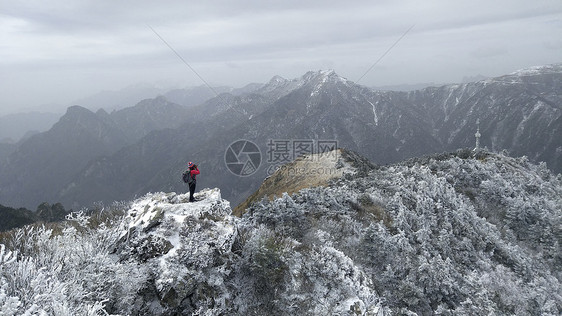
88	157
112	100
20	126
40	166
190	96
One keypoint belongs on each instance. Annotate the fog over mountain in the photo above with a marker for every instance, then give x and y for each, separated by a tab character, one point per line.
14	127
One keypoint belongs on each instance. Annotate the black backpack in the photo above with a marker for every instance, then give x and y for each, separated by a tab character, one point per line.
187	178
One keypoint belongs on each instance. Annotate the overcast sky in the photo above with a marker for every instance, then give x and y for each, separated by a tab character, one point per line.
60	51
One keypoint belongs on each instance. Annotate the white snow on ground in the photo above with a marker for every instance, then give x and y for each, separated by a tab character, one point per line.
174	206
171	211
194	230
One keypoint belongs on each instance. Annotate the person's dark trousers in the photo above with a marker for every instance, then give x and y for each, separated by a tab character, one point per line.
191	191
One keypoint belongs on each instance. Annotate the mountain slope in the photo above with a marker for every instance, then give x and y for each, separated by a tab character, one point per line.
119	99
6	149
464	233
307	171
519	112
11	218
42	164
327	106
39	167
309	108
149	115
453	233
384	126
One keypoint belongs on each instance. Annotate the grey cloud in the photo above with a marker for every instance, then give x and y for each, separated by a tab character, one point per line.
245	41
485	52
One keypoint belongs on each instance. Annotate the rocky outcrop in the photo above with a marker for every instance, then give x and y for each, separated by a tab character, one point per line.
305	172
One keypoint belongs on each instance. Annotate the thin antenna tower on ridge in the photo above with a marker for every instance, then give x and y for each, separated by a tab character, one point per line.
477	135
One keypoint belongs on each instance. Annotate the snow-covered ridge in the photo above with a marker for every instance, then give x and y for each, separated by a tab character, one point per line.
538	70
459	231
282	86
520	76
322	76
463	233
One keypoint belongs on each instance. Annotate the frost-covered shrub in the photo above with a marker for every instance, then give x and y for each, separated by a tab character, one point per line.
8	304
70	272
29	289
282	276
457	223
262	271
465	233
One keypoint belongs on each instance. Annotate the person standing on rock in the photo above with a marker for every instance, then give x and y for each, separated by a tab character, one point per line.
189	177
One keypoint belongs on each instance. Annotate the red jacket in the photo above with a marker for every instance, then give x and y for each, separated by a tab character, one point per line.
194	173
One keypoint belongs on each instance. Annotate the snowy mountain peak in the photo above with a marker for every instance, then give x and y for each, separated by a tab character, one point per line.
322	76
277	80
538	70
160	218
279	86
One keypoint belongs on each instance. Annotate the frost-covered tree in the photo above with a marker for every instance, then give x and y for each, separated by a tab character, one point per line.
465	233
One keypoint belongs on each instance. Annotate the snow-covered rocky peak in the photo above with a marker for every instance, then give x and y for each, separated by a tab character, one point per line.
279	86
181	242
160	218
276	80
538	70
322	81
322	76
172	208
526	75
